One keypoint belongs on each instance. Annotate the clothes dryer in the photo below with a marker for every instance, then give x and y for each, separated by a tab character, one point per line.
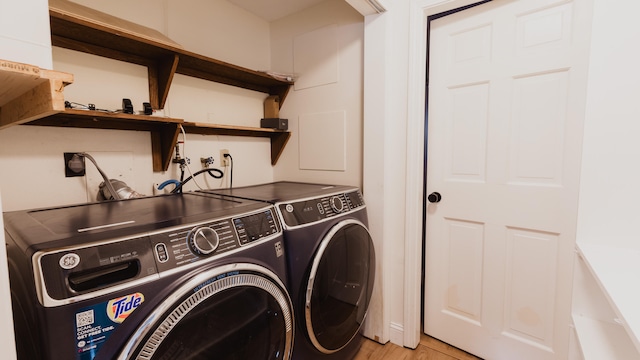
183	276
331	263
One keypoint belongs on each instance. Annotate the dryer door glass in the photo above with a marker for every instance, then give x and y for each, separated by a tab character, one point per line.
341	284
236	317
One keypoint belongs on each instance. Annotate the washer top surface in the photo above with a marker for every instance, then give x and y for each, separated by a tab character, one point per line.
95	221
282	191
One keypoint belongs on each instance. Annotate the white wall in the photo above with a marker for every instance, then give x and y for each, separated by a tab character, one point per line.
221	30
148	13
608	210
213	28
24	37
24	32
336	23
385	113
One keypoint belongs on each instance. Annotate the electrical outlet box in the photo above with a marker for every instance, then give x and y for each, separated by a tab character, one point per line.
74	165
224	160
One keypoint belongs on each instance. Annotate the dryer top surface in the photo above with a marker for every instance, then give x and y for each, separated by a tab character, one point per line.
283	191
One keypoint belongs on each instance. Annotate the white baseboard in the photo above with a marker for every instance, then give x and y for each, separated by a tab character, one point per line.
396	334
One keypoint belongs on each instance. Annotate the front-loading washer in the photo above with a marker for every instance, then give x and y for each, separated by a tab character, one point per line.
331	263
183	276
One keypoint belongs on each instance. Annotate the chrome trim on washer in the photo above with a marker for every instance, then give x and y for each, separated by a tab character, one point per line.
206	290
312	275
106	226
48	301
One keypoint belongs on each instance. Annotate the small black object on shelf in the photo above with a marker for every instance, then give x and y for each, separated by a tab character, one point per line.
127	106
274	123
147	108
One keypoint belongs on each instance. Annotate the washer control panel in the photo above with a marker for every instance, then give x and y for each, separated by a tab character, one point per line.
92	269
203	240
316	209
190	244
82	270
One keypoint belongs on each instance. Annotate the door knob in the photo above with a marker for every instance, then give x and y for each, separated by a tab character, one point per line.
434	197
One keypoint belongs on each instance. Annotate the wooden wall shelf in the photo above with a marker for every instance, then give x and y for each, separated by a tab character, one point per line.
28	92
80	28
164	131
33	96
278	138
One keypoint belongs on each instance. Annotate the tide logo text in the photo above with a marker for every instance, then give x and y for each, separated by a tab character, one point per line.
120	308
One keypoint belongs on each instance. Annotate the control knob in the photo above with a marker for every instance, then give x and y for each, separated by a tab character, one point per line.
203	240
336	204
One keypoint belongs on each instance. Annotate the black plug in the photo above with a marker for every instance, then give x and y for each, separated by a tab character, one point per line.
127	106
148	110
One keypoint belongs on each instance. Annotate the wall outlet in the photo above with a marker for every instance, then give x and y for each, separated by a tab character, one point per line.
74	165
224	160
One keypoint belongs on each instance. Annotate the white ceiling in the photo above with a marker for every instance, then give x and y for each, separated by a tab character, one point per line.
271	10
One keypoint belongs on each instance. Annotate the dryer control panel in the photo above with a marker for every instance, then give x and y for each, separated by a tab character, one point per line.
195	243
308	211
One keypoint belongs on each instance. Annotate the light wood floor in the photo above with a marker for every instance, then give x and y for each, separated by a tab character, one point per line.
428	349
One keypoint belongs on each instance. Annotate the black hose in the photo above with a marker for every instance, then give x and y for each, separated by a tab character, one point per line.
231	171
210	171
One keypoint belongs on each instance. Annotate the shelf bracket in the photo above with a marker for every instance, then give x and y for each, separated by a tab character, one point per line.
160	78
281	92
163	140
278	142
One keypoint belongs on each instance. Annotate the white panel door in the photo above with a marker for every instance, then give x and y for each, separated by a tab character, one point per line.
505	115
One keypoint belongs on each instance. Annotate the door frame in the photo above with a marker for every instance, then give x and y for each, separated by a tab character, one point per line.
420	11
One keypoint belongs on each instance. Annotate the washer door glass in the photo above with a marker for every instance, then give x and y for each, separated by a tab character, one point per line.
230	316
340	286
